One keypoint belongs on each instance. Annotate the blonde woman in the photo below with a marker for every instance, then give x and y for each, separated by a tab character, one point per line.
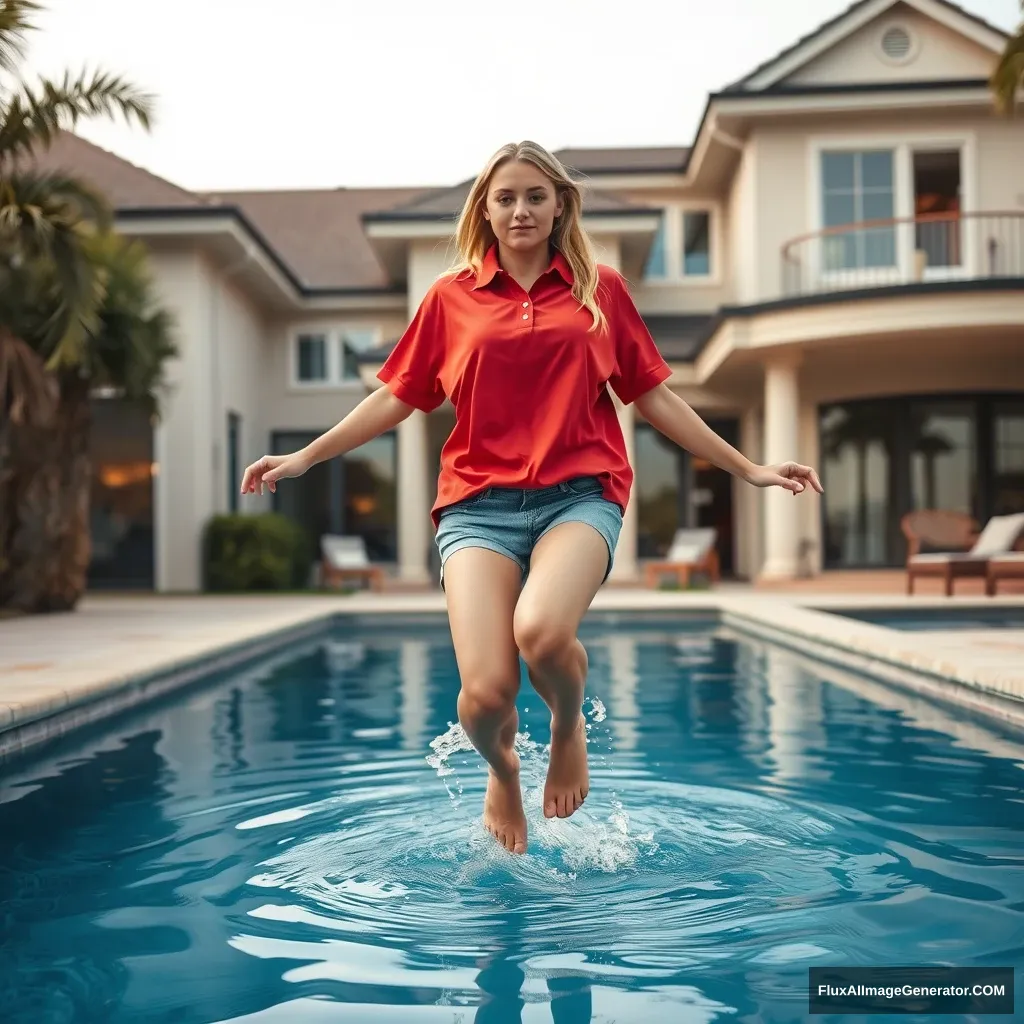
525	336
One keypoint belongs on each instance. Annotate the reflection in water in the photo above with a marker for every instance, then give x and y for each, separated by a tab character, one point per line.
275	848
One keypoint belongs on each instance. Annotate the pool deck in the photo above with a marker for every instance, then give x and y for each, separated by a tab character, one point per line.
60	672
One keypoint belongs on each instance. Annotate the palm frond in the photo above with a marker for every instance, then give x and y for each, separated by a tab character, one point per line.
1008	77
33	117
15	24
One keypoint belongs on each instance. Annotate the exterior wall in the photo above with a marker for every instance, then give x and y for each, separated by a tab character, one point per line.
937	53
744	230
292	406
221	340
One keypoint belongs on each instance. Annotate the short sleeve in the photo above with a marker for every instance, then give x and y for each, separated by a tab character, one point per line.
639	366
412	371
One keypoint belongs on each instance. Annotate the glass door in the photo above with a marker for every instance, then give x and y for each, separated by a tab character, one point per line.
1007	481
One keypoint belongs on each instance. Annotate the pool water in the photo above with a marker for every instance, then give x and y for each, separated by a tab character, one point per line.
939	619
300	842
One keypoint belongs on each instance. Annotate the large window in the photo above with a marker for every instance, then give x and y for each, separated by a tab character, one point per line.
121	495
659	491
882	458
857	187
354	495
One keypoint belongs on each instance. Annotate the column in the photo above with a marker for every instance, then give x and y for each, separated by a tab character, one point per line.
414	524
748	500
781	444
625	567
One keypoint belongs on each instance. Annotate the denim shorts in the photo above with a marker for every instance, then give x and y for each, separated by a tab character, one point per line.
511	520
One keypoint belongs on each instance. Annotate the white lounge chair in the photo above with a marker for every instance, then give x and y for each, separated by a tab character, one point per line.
691	551
998	538
344	557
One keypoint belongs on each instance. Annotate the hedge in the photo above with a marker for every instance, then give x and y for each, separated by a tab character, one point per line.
255	552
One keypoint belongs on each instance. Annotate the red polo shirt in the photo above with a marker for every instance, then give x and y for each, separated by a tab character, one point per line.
527	381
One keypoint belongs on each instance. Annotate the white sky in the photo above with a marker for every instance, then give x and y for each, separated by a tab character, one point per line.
321	93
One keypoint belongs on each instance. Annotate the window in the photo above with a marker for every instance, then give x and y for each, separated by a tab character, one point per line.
696	243
311	358
681	249
655	268
331	357
352	344
234	459
857	187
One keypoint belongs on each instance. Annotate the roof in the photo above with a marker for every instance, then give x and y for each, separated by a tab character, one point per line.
125	185
318	233
445	203
741	84
679	338
633	160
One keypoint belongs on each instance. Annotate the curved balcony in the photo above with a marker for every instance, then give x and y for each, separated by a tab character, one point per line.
905	251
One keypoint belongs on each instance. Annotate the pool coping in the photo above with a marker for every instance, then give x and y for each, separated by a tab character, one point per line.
814	627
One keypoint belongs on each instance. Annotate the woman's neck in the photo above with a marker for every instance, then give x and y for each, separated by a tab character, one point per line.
524	267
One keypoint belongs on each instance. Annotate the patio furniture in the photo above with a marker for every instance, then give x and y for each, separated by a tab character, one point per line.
345	557
996	540
938	530
691	551
1003	567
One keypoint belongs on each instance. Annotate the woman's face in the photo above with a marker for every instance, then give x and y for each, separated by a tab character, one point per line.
521	205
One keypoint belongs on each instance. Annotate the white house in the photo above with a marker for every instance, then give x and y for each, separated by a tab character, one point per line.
889	355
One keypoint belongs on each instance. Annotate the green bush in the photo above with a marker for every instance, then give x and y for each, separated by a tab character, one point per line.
255	552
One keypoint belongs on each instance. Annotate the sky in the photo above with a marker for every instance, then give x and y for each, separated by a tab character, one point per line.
265	94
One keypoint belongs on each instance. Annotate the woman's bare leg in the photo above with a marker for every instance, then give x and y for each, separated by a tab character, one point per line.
567	568
481	588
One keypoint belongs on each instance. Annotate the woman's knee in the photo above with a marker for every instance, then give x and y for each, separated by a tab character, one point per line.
541	640
488	696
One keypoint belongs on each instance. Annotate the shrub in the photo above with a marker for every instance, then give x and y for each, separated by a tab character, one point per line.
255	552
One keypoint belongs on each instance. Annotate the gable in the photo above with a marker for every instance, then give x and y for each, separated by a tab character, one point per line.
844	50
900	45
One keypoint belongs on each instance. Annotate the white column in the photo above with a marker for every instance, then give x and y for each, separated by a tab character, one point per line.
781	444
748	500
625	567
414	524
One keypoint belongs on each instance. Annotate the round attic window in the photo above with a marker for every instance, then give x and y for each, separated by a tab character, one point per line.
897	44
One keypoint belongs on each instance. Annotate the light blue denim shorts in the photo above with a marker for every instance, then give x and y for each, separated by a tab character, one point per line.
512	520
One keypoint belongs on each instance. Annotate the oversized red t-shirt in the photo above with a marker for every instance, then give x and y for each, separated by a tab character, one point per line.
527	380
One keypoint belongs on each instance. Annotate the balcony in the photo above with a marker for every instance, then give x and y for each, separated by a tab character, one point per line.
945	247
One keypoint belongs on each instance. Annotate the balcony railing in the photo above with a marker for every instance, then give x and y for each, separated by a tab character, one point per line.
890	253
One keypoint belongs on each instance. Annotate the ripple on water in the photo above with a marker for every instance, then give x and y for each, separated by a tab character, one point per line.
706	866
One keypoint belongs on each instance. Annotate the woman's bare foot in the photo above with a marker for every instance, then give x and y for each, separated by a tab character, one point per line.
568	781
503	808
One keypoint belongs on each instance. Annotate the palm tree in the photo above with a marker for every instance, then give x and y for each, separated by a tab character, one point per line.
1008	76
56	269
44	507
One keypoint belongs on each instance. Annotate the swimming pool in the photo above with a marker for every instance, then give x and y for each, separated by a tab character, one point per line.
933	618
299	842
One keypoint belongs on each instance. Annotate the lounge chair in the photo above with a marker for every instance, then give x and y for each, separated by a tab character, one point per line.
996	540
938	530
345	557
1003	567
691	551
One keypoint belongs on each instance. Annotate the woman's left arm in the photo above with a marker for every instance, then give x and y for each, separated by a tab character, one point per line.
674	418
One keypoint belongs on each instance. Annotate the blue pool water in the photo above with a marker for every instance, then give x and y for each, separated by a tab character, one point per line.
942	619
299	842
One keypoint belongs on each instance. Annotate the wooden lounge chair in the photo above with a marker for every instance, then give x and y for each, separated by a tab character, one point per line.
691	551
996	540
938	530
1003	567
345	557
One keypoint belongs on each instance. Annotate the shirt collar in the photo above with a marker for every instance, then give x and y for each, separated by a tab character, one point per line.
490	267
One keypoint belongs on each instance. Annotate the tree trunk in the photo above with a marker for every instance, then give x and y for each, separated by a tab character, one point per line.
45	512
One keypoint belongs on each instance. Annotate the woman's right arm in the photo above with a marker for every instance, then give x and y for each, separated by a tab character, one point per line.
376	414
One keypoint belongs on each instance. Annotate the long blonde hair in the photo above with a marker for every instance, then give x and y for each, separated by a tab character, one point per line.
474	236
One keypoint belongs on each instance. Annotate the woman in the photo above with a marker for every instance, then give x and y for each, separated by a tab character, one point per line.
525	336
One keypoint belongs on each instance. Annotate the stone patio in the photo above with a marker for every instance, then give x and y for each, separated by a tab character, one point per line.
60	672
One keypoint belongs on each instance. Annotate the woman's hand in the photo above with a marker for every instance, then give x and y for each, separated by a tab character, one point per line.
790	475
272	468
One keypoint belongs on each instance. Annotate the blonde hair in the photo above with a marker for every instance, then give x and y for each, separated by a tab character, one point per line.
474	236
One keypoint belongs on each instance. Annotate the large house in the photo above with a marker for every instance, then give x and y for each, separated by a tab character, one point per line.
834	268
